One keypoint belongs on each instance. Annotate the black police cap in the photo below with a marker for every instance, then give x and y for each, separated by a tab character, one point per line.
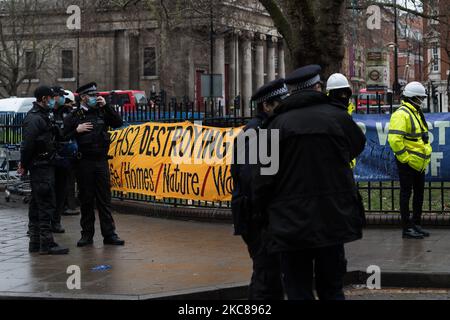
87	89
304	77
59	91
43	91
271	90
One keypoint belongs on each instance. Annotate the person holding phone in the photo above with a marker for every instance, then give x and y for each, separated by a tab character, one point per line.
89	125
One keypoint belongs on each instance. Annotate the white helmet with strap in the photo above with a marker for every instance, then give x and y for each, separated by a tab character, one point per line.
415	89
70	96
337	81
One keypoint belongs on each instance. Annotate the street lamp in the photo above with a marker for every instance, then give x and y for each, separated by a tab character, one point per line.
394	47
211	39
396	85
78	59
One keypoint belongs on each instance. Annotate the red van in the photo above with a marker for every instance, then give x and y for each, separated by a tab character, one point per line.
374	100
129	100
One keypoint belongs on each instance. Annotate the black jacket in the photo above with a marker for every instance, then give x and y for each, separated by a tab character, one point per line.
39	138
313	201
93	145
243	217
59	115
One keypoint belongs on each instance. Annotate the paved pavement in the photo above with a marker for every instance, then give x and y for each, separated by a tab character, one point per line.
397	294
386	248
160	256
166	258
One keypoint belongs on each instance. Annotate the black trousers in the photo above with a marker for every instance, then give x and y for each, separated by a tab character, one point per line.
71	200
266	281
411	180
42	205
61	186
65	192
95	189
327	265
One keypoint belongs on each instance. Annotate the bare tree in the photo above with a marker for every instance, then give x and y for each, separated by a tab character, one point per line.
22	54
183	25
436	15
445	36
317	25
312	29
439	34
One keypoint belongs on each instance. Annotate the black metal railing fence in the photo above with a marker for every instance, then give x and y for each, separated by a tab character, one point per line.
379	197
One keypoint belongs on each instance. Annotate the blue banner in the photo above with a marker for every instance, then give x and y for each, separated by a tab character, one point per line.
377	163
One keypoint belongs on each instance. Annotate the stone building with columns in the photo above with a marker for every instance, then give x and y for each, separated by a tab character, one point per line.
132	49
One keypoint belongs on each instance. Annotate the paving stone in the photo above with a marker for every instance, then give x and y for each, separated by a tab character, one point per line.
168	257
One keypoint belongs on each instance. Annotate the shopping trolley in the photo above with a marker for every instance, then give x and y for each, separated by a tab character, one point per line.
12	182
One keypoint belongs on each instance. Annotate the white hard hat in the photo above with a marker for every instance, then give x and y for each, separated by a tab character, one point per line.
69	95
337	81
414	89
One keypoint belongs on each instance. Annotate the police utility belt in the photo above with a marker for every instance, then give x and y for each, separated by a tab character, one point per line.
44	159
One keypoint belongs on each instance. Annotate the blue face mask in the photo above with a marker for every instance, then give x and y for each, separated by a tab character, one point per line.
61	101
51	103
92	102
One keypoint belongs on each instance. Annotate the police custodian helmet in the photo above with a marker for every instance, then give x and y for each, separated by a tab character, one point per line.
305	77
270	91
90	88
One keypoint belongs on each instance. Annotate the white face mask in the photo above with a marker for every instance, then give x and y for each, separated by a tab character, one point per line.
417	102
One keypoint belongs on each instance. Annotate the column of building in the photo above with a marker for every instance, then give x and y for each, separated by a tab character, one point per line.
252	62
219	67
281	61
247	73
122	59
260	42
234	75
271	46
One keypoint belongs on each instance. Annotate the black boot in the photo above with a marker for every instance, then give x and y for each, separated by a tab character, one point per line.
85	241
113	241
57	228
34	247
53	249
419	230
70	212
35	239
411	234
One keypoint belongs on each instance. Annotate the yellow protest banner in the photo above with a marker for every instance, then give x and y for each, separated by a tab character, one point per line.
182	161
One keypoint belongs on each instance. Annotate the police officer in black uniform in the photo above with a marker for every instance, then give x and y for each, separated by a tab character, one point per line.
66	151
71	205
312	202
37	156
266	279
89	125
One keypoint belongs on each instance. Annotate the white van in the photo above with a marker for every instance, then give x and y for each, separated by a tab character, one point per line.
16	105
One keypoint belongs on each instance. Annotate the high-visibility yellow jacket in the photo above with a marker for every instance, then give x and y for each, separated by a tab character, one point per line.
406	137
351	109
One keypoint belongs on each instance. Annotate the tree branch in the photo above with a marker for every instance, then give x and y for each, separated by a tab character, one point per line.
399	7
280	20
